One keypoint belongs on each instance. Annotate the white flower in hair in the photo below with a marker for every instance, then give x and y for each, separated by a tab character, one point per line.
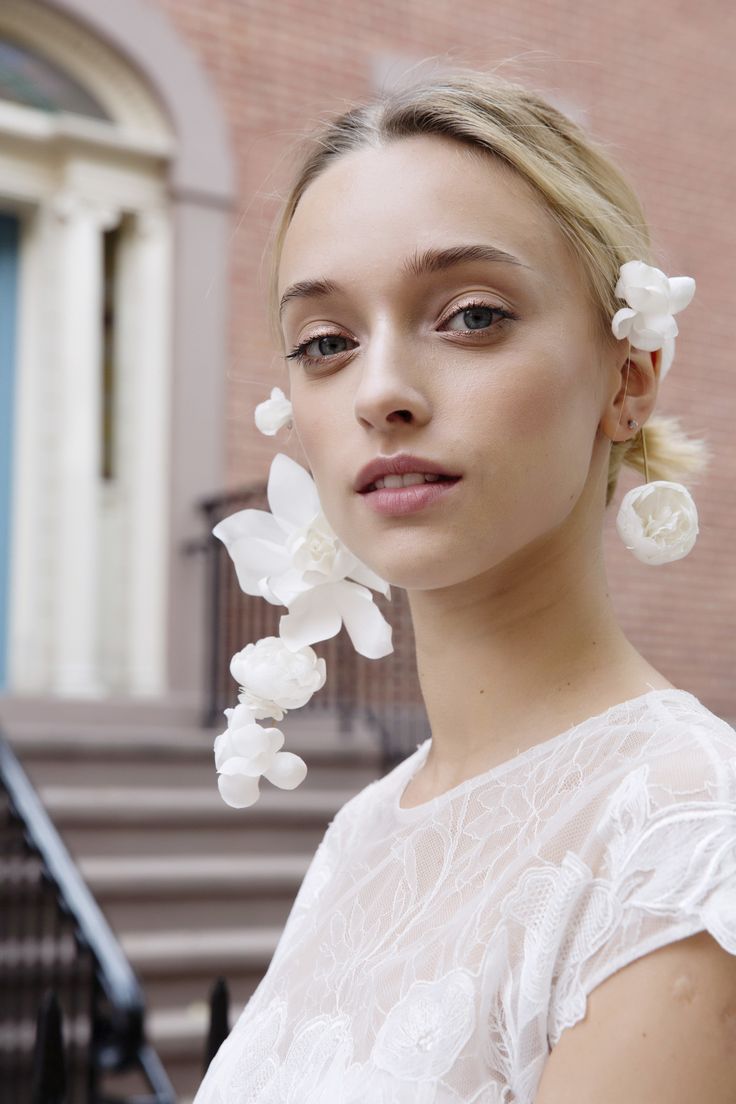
658	521
292	557
245	751
274	413
274	678
653	298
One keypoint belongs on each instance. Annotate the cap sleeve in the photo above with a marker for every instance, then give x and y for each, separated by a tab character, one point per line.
662	855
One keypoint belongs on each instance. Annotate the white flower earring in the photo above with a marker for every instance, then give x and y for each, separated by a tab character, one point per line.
291	557
657	521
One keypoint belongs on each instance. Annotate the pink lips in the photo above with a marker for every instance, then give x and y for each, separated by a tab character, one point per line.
395	501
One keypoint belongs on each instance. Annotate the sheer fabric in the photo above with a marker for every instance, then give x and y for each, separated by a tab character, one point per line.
435	954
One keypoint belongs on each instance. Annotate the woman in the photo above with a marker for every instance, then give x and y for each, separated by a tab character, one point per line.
447	262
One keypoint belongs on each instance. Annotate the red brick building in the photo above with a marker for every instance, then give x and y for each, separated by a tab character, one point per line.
216	93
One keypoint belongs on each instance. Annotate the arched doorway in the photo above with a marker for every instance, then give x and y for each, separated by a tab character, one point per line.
106	185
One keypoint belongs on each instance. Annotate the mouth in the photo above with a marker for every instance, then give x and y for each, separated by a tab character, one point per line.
411	479
399	495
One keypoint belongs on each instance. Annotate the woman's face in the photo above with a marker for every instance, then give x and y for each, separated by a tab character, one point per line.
426	363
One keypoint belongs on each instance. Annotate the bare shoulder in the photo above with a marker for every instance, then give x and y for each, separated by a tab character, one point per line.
662	1030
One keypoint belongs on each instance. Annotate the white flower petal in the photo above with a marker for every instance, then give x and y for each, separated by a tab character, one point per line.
361	573
622	322
263	709
649	331
274	413
237	790
668	355
275	740
287	771
292	494
250	742
255	544
312	616
366	625
286	586
240	716
222	748
648	299
632	272
682	289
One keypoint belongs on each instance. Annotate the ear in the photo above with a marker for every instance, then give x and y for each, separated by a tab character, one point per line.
632	394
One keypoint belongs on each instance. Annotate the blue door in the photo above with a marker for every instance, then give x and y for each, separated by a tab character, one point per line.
9	236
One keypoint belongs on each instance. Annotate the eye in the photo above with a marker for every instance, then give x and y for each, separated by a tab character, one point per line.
325	344
477	316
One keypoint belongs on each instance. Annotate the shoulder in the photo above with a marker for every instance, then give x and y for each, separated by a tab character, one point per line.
662	1030
648	955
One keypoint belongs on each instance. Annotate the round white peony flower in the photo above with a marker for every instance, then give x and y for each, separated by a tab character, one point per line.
658	521
653	298
274	413
274	677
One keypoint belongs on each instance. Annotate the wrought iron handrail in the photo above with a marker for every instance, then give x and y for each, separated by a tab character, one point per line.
117	1035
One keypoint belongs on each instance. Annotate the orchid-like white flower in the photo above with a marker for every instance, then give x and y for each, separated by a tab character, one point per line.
292	557
653	298
273	677
245	751
274	413
658	521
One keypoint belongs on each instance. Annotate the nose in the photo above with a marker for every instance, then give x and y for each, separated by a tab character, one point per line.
390	391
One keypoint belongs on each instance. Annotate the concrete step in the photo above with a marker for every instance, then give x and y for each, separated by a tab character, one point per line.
207	951
251	834
308	731
163	892
150	820
158	807
175	709
160	772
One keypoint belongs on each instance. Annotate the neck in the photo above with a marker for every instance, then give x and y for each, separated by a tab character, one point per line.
519	654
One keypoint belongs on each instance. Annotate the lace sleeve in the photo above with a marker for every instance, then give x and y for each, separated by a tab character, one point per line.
663	868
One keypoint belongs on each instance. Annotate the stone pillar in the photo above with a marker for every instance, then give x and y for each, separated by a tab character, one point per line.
76	481
145	370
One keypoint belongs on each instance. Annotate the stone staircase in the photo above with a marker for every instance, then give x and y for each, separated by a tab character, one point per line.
192	888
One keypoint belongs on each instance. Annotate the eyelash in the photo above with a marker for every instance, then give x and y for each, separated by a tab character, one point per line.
298	355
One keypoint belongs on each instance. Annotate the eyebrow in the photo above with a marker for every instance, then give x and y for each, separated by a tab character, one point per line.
418	264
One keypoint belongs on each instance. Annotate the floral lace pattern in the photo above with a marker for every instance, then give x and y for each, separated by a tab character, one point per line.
437	953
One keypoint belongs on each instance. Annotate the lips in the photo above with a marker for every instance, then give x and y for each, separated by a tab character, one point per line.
399	465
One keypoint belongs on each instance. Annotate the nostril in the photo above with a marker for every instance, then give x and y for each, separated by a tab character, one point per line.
405	415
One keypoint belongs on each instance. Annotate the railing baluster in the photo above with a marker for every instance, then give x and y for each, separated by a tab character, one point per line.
49	1068
219	1027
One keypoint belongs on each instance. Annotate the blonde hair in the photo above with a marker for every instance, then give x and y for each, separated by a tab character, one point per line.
584	191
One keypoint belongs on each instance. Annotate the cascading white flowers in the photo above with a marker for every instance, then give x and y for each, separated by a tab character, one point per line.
657	521
293	558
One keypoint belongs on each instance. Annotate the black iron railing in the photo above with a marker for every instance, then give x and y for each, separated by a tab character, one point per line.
54	939
384	692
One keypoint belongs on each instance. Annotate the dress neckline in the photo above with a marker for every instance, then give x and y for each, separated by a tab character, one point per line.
416	761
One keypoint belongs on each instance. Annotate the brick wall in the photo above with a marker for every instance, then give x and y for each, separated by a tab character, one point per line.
657	83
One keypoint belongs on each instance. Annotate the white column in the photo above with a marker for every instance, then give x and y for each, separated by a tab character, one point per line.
74	643
144	358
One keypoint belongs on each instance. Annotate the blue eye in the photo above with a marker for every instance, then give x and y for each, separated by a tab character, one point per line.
477	308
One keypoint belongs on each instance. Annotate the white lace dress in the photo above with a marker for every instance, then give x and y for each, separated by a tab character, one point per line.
435	954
